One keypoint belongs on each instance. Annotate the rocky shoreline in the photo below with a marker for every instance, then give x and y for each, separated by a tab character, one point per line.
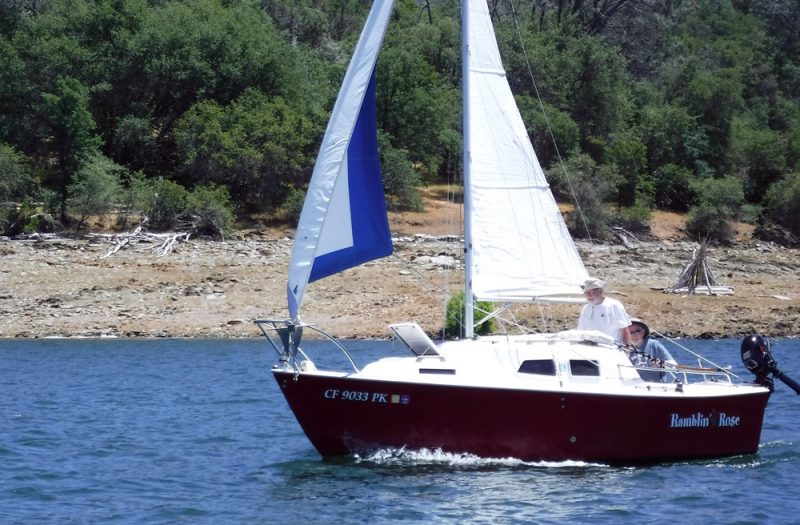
71	287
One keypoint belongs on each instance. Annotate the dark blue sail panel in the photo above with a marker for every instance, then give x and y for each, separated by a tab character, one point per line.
367	203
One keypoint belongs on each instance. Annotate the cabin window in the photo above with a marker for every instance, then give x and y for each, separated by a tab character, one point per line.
584	367
544	367
445	371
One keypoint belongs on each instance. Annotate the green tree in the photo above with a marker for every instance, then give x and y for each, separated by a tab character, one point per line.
208	50
399	179
668	131
303	21
415	104
95	189
760	152
19	193
599	96
13	87
628	155
163	202
211	209
716	97
16	179
720	202
72	136
257	147
543	120
593	185
674	188
134	143
782	203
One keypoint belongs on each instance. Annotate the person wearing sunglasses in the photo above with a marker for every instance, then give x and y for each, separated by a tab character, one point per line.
649	352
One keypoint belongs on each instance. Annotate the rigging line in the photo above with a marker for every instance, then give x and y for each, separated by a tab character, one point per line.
453	235
699	357
502	320
425	280
547	317
547	121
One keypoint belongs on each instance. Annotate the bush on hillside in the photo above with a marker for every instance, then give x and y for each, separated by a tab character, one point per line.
211	210
782	203
720	203
95	189
593	185
454	321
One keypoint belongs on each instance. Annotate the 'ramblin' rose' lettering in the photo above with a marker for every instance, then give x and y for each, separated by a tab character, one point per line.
728	421
695	420
700	420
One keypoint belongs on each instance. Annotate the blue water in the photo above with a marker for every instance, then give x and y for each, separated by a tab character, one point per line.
196	431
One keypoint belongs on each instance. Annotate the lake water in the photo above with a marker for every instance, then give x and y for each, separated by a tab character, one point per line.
196	431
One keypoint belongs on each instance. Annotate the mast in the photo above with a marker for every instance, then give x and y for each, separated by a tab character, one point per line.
468	296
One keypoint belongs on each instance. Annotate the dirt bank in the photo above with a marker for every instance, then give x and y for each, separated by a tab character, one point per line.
66	287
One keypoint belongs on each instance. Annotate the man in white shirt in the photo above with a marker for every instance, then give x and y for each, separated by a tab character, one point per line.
604	314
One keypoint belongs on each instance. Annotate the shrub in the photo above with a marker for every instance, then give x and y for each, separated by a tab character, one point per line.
94	189
25	217
707	223
399	179
132	199
635	218
721	201
293	204
16	181
211	210
454	321
164	202
42	223
673	188
592	185
782	203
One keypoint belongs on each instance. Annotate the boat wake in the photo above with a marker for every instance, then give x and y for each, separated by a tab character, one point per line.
778	451
437	457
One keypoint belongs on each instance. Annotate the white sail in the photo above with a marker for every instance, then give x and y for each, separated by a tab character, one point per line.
343	222
521	249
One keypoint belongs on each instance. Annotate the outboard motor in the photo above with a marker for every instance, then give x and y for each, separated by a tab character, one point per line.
757	358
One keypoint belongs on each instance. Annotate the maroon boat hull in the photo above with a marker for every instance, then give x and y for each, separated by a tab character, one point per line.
343	415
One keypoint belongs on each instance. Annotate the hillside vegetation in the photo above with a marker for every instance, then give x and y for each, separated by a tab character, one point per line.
201	112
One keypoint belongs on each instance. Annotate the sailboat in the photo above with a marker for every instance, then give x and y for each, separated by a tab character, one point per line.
571	395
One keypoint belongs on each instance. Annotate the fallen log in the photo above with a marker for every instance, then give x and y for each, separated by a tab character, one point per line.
160	243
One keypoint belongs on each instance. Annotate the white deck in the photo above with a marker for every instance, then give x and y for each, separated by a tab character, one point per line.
495	361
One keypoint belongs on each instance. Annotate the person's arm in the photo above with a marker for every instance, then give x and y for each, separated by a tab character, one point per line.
582	318
626	336
662	353
621	318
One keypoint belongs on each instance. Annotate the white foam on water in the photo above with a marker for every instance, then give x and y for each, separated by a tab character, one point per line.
425	456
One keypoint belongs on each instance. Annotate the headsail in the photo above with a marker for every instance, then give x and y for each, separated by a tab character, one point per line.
344	222
520	247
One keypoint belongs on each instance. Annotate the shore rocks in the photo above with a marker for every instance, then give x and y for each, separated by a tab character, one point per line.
65	287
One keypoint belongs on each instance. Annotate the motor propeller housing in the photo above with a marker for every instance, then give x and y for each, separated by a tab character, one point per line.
757	357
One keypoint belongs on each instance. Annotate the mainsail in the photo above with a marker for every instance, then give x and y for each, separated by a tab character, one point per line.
516	238
344	222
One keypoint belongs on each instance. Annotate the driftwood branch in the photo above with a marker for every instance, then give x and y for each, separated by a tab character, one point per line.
166	247
624	237
160	243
